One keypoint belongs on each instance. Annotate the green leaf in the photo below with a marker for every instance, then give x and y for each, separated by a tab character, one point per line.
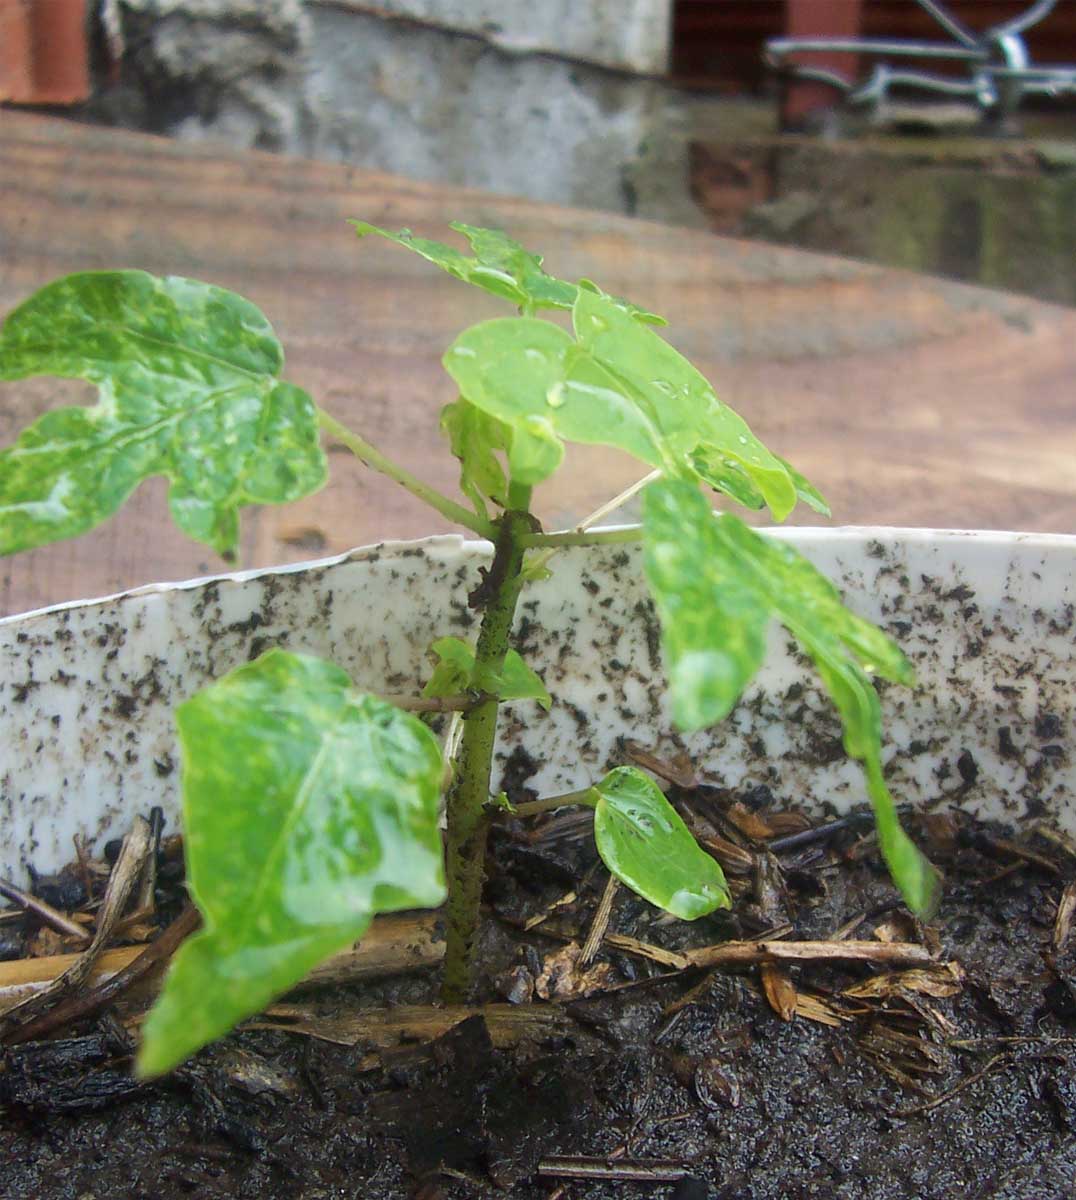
308	808
514	681
683	409
457	671
716	584
501	266
531	449
616	384
454	672
525	371
645	844
806	490
475	438
189	388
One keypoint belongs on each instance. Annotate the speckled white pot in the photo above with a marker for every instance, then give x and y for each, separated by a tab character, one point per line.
87	689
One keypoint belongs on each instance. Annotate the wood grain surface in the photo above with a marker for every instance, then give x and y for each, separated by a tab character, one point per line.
908	400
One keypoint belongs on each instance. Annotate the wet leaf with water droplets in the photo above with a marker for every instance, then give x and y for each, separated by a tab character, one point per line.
644	842
307	809
717	584
616	384
189	388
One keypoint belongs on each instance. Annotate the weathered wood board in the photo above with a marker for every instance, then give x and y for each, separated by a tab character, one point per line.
908	400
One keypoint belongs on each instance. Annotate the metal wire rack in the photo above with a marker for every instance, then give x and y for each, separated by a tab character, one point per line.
999	72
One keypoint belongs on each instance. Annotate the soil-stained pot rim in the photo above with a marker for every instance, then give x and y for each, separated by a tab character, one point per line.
987	618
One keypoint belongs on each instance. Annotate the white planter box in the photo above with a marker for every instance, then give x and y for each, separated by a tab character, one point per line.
87	689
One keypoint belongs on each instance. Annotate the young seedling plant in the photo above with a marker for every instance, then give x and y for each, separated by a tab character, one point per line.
309	806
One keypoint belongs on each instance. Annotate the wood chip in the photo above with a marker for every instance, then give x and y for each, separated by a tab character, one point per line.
600	925
788	822
563	902
749	823
1065	910
397	943
939	981
565	977
821	1010
778	990
733	859
386	1028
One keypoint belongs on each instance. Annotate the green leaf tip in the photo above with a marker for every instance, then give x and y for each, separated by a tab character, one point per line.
644	842
717	584
188	376
307	809
499	265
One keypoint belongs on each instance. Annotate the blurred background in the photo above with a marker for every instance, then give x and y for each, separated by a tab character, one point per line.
958	159
859	217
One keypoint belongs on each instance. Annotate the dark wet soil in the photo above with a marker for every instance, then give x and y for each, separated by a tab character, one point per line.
913	1094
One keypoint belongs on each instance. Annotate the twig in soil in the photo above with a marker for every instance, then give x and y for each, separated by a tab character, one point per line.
392	944
561	902
45	912
999	1059
121	883
600	924
622	1171
821	833
157	952
748	953
1059	839
1006	846
1001	1040
147	888
387	1028
1066	909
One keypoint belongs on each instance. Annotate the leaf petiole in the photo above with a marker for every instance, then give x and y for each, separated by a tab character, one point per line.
373	457
587	796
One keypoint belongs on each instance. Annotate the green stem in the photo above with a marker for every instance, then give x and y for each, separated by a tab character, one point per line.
467	818
587	796
373	457
519	497
574	537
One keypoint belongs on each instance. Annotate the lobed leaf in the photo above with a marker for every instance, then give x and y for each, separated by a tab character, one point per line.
457	671
618	384
308	808
189	386
500	266
644	842
717	584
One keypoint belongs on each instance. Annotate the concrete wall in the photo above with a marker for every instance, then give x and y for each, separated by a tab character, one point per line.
564	100
555	99
1000	213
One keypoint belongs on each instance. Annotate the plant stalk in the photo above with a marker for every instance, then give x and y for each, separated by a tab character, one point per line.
587	796
373	457
467	817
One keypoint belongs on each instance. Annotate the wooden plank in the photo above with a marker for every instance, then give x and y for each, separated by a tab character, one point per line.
908	400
